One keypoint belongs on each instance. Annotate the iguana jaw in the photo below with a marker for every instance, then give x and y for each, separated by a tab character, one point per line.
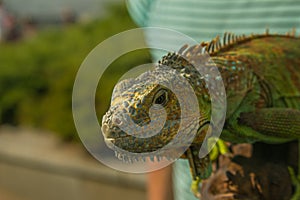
114	136
134	154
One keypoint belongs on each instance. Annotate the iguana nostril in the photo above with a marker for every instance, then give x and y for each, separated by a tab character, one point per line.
117	121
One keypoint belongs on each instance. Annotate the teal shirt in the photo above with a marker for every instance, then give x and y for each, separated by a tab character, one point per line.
203	20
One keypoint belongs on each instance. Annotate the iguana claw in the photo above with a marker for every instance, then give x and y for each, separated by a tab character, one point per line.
219	148
195	187
296	183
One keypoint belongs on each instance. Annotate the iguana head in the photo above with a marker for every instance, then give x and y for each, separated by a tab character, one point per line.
135	102
145	114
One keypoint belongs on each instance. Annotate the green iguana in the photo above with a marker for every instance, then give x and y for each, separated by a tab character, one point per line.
261	75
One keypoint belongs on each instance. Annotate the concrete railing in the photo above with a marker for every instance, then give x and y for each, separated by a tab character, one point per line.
35	166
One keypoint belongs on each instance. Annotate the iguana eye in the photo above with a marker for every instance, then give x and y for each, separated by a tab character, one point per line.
161	97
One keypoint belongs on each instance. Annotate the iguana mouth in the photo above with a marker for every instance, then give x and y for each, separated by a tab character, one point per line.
109	139
138	158
152	154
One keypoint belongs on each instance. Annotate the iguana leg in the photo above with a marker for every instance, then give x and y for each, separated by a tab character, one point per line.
277	125
269	125
273	124
200	168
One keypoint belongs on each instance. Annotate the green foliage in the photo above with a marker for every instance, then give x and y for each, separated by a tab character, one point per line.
37	74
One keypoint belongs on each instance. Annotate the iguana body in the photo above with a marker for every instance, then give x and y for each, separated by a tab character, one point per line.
261	75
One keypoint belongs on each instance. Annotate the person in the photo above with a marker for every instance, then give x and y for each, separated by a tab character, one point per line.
203	20
2	20
9	29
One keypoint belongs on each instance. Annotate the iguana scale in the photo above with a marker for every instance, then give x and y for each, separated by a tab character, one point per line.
261	75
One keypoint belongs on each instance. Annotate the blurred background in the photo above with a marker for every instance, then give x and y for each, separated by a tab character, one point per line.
42	44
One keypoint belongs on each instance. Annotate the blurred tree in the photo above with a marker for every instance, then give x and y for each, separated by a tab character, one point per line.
37	75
